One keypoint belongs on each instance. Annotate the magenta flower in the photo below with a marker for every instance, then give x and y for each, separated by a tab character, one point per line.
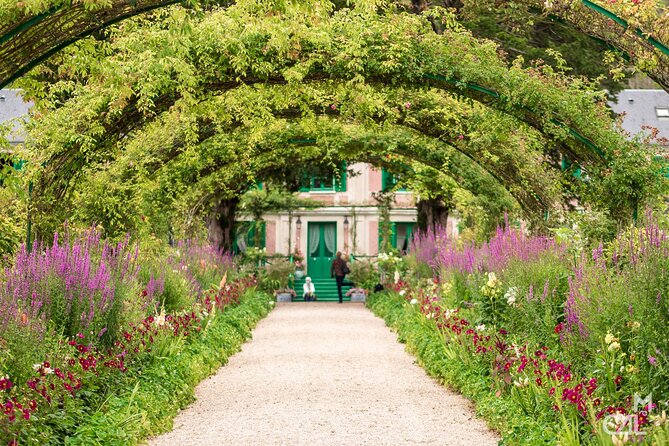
652	360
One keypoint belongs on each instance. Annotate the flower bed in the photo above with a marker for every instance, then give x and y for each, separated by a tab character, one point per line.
552	343
86	303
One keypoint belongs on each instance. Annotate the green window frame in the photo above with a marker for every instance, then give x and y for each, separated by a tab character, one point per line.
407	228
322	183
389	180
247	230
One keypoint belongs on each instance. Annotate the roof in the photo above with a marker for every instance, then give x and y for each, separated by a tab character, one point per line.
641	107
12	108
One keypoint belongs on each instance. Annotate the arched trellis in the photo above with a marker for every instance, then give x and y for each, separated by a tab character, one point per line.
536	195
638	42
533	186
33	37
281	150
583	129
27	38
345	63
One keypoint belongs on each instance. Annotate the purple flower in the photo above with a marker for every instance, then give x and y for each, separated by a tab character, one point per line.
652	360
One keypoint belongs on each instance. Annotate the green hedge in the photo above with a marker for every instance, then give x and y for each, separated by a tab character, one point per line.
147	402
460	372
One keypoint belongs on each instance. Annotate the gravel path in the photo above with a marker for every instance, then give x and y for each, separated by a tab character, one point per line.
325	374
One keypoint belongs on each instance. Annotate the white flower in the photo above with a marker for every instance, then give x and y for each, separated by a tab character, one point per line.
492	280
522	382
271	302
614	346
480	327
620	438
48	370
160	318
510	296
403	292
659	420
429	315
37	366
413	302
634	325
397	276
609	338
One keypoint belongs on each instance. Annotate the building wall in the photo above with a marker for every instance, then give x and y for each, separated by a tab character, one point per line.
356	204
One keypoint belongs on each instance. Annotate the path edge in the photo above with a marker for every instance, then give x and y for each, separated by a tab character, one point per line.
424	342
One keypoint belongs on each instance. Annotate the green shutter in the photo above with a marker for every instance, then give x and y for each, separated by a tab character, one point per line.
340	184
393	235
386	180
248	228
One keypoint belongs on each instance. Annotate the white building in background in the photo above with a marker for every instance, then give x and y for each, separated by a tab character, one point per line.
14	109
644	109
348	221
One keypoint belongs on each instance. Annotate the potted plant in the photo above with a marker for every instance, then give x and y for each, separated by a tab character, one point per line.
299	267
357	294
284	294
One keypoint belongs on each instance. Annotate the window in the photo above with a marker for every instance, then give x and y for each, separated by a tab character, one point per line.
401	236
325	183
389	180
662	112
245	236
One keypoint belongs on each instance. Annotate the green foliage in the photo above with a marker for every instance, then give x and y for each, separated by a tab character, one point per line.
363	274
182	128
276	274
539	288
144	403
452	365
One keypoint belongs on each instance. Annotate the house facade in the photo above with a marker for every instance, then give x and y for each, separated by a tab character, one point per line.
348	220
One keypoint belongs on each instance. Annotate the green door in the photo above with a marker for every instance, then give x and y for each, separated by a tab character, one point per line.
321	249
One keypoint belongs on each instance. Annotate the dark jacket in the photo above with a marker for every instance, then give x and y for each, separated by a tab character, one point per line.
338	268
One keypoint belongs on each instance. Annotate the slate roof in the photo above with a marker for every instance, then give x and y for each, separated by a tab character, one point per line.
641	107
12	108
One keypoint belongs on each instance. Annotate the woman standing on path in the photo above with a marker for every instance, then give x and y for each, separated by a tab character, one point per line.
338	270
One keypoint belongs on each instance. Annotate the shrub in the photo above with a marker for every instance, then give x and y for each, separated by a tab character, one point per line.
276	274
363	274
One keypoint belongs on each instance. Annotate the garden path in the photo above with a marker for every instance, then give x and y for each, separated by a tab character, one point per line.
325	374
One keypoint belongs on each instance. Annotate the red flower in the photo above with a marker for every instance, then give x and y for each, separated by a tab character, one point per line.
559	327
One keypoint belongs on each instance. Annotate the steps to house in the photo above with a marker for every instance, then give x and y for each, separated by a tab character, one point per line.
326	289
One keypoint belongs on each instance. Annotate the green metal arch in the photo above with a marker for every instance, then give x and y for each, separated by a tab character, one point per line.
622	22
46	55
577	135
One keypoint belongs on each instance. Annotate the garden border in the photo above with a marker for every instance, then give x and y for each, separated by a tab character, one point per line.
150	402
423	341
